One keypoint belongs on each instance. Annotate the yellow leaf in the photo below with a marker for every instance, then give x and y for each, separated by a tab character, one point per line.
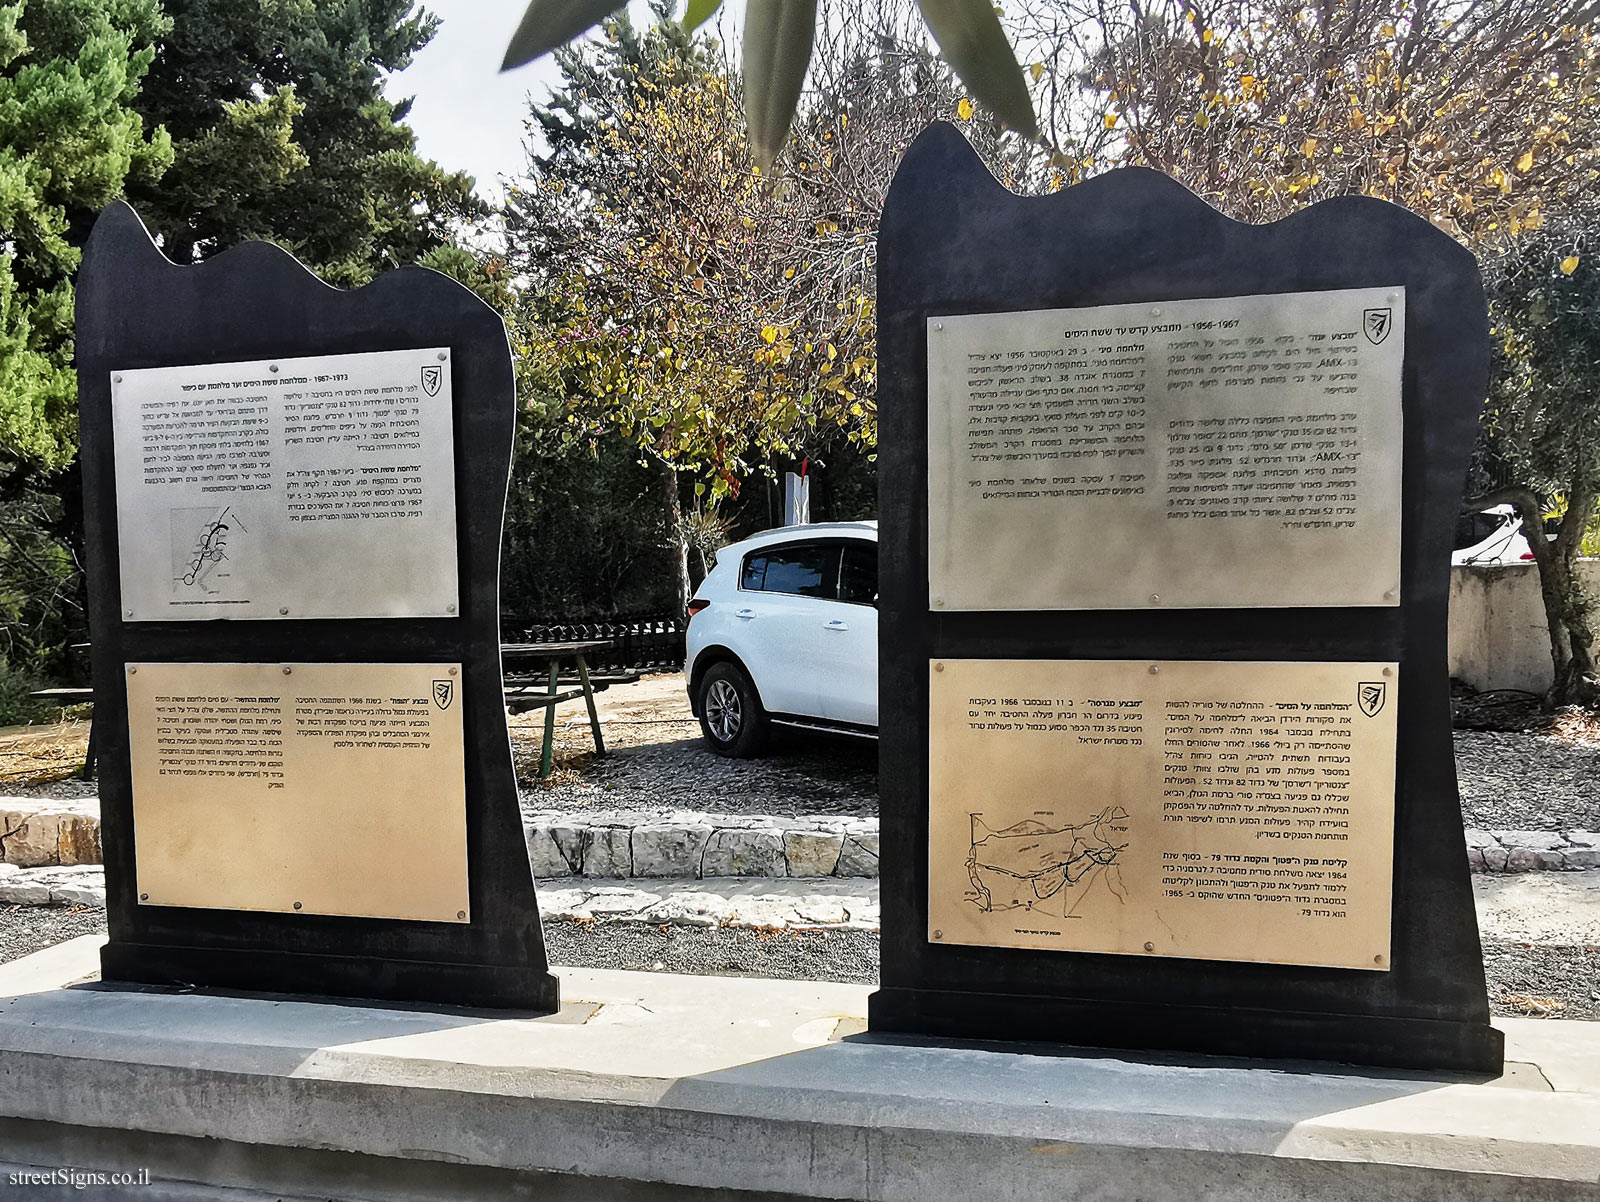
1569	264
1111	121
1207	36
964	109
1036	71
769	335
1308	147
1202	121
1525	162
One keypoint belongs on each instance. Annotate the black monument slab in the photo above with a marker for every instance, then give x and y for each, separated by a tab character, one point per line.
136	309
954	241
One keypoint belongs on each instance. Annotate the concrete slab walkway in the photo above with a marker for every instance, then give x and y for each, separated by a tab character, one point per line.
654	1086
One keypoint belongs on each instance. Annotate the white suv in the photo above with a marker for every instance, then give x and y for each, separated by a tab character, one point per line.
785	630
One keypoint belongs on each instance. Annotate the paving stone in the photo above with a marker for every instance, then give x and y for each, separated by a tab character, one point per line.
668	850
545	855
812	853
1522	859
742	853
1494	859
1581	857
609	852
1480	839
31	840
859	856
1534	840
1475	859
691	910
1584	838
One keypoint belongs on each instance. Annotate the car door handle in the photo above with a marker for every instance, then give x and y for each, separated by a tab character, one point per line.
836	625
746	614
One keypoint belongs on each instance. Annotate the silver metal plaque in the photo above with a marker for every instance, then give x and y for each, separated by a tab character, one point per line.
287	488
300	788
1237	451
1201	809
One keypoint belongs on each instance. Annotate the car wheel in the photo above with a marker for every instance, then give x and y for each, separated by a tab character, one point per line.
731	717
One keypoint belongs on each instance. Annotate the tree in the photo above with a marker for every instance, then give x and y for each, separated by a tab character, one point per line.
1479	114
686	302
1542	426
281	131
69	141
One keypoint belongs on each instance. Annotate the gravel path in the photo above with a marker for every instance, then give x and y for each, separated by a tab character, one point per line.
28	929
1527	782
1543	980
1540	980
802	773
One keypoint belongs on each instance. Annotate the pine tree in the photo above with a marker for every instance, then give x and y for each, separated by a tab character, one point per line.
282	131
69	142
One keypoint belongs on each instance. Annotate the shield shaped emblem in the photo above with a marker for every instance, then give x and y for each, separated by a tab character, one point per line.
444	692
1370	696
1376	324
432	377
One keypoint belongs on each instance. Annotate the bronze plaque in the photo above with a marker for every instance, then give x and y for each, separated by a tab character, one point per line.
300	788
1203	809
319	487
1207	453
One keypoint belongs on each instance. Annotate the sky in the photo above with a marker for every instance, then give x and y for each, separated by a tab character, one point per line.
468	116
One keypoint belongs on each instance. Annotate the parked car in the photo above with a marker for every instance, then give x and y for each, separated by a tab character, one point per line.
785	630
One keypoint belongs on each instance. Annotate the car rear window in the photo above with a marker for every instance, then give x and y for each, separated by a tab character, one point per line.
803	570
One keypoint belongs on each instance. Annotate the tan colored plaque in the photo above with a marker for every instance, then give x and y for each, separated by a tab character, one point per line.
1220	452
1203	809
300	788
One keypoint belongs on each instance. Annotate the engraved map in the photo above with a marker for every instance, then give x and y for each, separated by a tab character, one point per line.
1036	866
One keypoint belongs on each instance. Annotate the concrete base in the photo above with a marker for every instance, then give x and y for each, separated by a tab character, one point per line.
651	1086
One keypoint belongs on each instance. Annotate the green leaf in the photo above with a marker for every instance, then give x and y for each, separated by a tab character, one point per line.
698	13
551	23
970	37
778	36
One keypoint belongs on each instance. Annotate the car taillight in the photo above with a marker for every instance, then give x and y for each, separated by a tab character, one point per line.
696	606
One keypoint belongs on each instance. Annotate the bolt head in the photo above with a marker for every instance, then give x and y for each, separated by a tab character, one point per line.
443	355
273	367
297	905
449	609
459	913
1154	669
938	325
144	897
1149	947
283	609
287	669
453	671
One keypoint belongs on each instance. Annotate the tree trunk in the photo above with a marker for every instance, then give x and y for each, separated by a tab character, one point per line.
1568	611
677	542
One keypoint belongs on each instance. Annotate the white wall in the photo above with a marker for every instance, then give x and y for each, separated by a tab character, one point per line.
1498	636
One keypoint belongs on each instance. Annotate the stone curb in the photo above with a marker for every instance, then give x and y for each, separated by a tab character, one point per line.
39	831
694	845
1532	851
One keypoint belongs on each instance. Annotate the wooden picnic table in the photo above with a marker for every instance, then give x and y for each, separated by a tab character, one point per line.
551	656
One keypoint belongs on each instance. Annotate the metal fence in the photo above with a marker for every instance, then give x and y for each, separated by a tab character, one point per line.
650	640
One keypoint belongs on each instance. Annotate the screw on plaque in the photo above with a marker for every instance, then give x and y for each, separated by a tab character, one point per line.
443	355
1149	947
287	669
283	609
144	897
938	934
453	671
297	905
459	913
273	367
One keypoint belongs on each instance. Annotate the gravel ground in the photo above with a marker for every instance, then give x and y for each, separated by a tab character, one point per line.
1543	980
803	773
1525	980
28	929
1527	782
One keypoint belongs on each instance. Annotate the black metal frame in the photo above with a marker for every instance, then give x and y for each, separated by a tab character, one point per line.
135	309
953	240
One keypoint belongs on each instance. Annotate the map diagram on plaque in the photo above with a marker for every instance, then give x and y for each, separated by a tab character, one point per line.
205	540
1047	869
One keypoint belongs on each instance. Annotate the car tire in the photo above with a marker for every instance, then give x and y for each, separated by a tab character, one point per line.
731	717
